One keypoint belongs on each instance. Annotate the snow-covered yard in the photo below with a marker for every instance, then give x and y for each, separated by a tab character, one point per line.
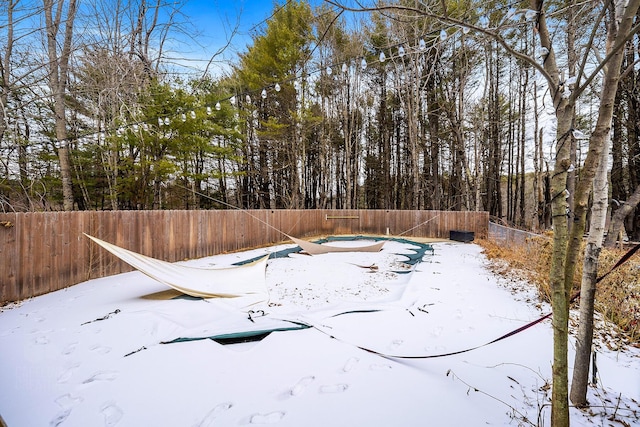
98	353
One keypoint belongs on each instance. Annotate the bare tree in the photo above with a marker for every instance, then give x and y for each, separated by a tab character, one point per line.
5	68
564	93
620	28
618	217
584	336
58	19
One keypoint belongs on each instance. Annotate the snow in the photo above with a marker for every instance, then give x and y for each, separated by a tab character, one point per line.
63	366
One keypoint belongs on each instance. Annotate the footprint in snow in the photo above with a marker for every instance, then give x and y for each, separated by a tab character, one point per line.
208	420
301	385
69	349
67	401
67	373
270	418
350	364
112	414
101	376
436	332
380	367
59	419
100	349
42	340
333	388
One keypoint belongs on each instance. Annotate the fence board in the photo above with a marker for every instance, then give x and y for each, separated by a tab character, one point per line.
46	251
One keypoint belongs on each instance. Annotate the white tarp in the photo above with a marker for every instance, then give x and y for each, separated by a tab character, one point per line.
317	249
226	282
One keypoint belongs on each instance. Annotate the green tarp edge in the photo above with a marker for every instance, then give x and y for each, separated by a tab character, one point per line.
238	337
423	248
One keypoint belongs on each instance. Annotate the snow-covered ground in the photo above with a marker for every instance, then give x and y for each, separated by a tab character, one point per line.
98	353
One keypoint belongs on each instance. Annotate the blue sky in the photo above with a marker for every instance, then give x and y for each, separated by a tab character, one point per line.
215	20
217	17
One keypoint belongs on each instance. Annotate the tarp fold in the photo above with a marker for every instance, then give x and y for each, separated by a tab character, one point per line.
225	282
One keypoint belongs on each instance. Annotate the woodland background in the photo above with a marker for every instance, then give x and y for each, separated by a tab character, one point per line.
321	110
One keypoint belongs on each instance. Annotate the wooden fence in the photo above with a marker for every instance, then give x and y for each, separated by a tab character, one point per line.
46	251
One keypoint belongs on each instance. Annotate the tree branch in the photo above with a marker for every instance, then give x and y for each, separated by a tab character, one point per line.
580	88
453	21
619	45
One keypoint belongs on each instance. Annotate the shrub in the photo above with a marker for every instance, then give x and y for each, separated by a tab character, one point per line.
617	296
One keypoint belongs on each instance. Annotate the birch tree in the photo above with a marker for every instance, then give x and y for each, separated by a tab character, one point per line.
568	224
6	67
584	336
620	19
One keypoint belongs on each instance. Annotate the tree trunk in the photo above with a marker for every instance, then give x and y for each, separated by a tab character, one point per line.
58	77
572	60
433	190
559	291
617	220
617	31
537	163
584	339
618	190
522	143
565	108
347	129
5	70
565	247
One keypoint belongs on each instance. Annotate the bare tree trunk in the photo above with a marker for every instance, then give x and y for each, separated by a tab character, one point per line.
522	143
618	189
617	220
537	161
584	338
347	132
559	288
5	69
412	105
619	26
58	77
565	108
565	247
493	139
572	60
432	153
510	196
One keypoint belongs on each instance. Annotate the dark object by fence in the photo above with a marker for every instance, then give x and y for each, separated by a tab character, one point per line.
461	236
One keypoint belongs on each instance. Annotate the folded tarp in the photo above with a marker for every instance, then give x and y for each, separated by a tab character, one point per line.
317	249
227	282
